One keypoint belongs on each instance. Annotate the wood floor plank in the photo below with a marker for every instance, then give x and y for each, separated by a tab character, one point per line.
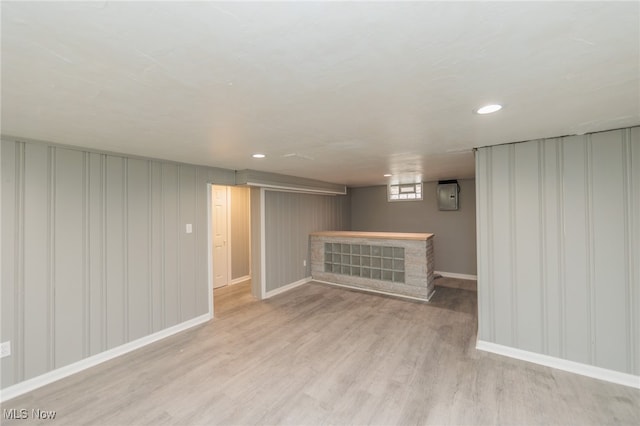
325	355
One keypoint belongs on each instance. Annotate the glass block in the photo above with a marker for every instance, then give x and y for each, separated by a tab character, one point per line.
355	249
376	250
376	262
336	269
376	274
398	277
387	251
365	272
336	258
346	270
355	271
387	263
346	248
387	275
365	260
346	259
328	247
336	247
366	250
328	267
398	264
398	252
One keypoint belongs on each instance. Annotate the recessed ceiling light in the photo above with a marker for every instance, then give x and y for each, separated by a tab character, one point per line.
388	175
488	109
258	155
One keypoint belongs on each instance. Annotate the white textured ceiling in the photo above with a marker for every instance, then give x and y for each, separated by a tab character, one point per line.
342	92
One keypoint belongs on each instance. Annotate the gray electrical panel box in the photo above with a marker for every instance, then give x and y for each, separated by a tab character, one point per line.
448	195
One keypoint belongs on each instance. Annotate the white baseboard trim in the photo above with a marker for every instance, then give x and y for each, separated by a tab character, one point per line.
386	293
239	280
456	275
286	287
562	364
68	370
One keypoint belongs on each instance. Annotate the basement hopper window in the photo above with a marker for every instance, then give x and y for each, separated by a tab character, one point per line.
405	192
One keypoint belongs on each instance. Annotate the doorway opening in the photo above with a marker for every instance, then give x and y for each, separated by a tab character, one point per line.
230	227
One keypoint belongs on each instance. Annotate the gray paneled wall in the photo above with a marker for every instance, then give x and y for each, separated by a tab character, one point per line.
559	247
455	231
94	252
240	232
289	218
256	206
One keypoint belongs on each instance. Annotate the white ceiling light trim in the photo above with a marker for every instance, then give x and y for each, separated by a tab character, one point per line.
489	109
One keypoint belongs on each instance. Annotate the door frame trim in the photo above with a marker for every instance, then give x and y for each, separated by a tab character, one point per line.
210	247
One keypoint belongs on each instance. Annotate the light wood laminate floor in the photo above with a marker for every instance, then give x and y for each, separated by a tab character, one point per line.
325	355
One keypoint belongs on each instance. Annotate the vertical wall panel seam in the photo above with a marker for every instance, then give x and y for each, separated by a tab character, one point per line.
163	289
559	239
179	251
50	251
19	319
86	323
490	242
125	247
263	243
103	227
628	259
634	279
150	245
52	302
513	251
249	236
590	251
542	225
634	254
196	239
479	244
562	271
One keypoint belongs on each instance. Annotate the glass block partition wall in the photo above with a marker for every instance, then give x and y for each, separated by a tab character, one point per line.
376	262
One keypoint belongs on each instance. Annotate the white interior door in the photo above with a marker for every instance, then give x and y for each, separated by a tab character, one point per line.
220	199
